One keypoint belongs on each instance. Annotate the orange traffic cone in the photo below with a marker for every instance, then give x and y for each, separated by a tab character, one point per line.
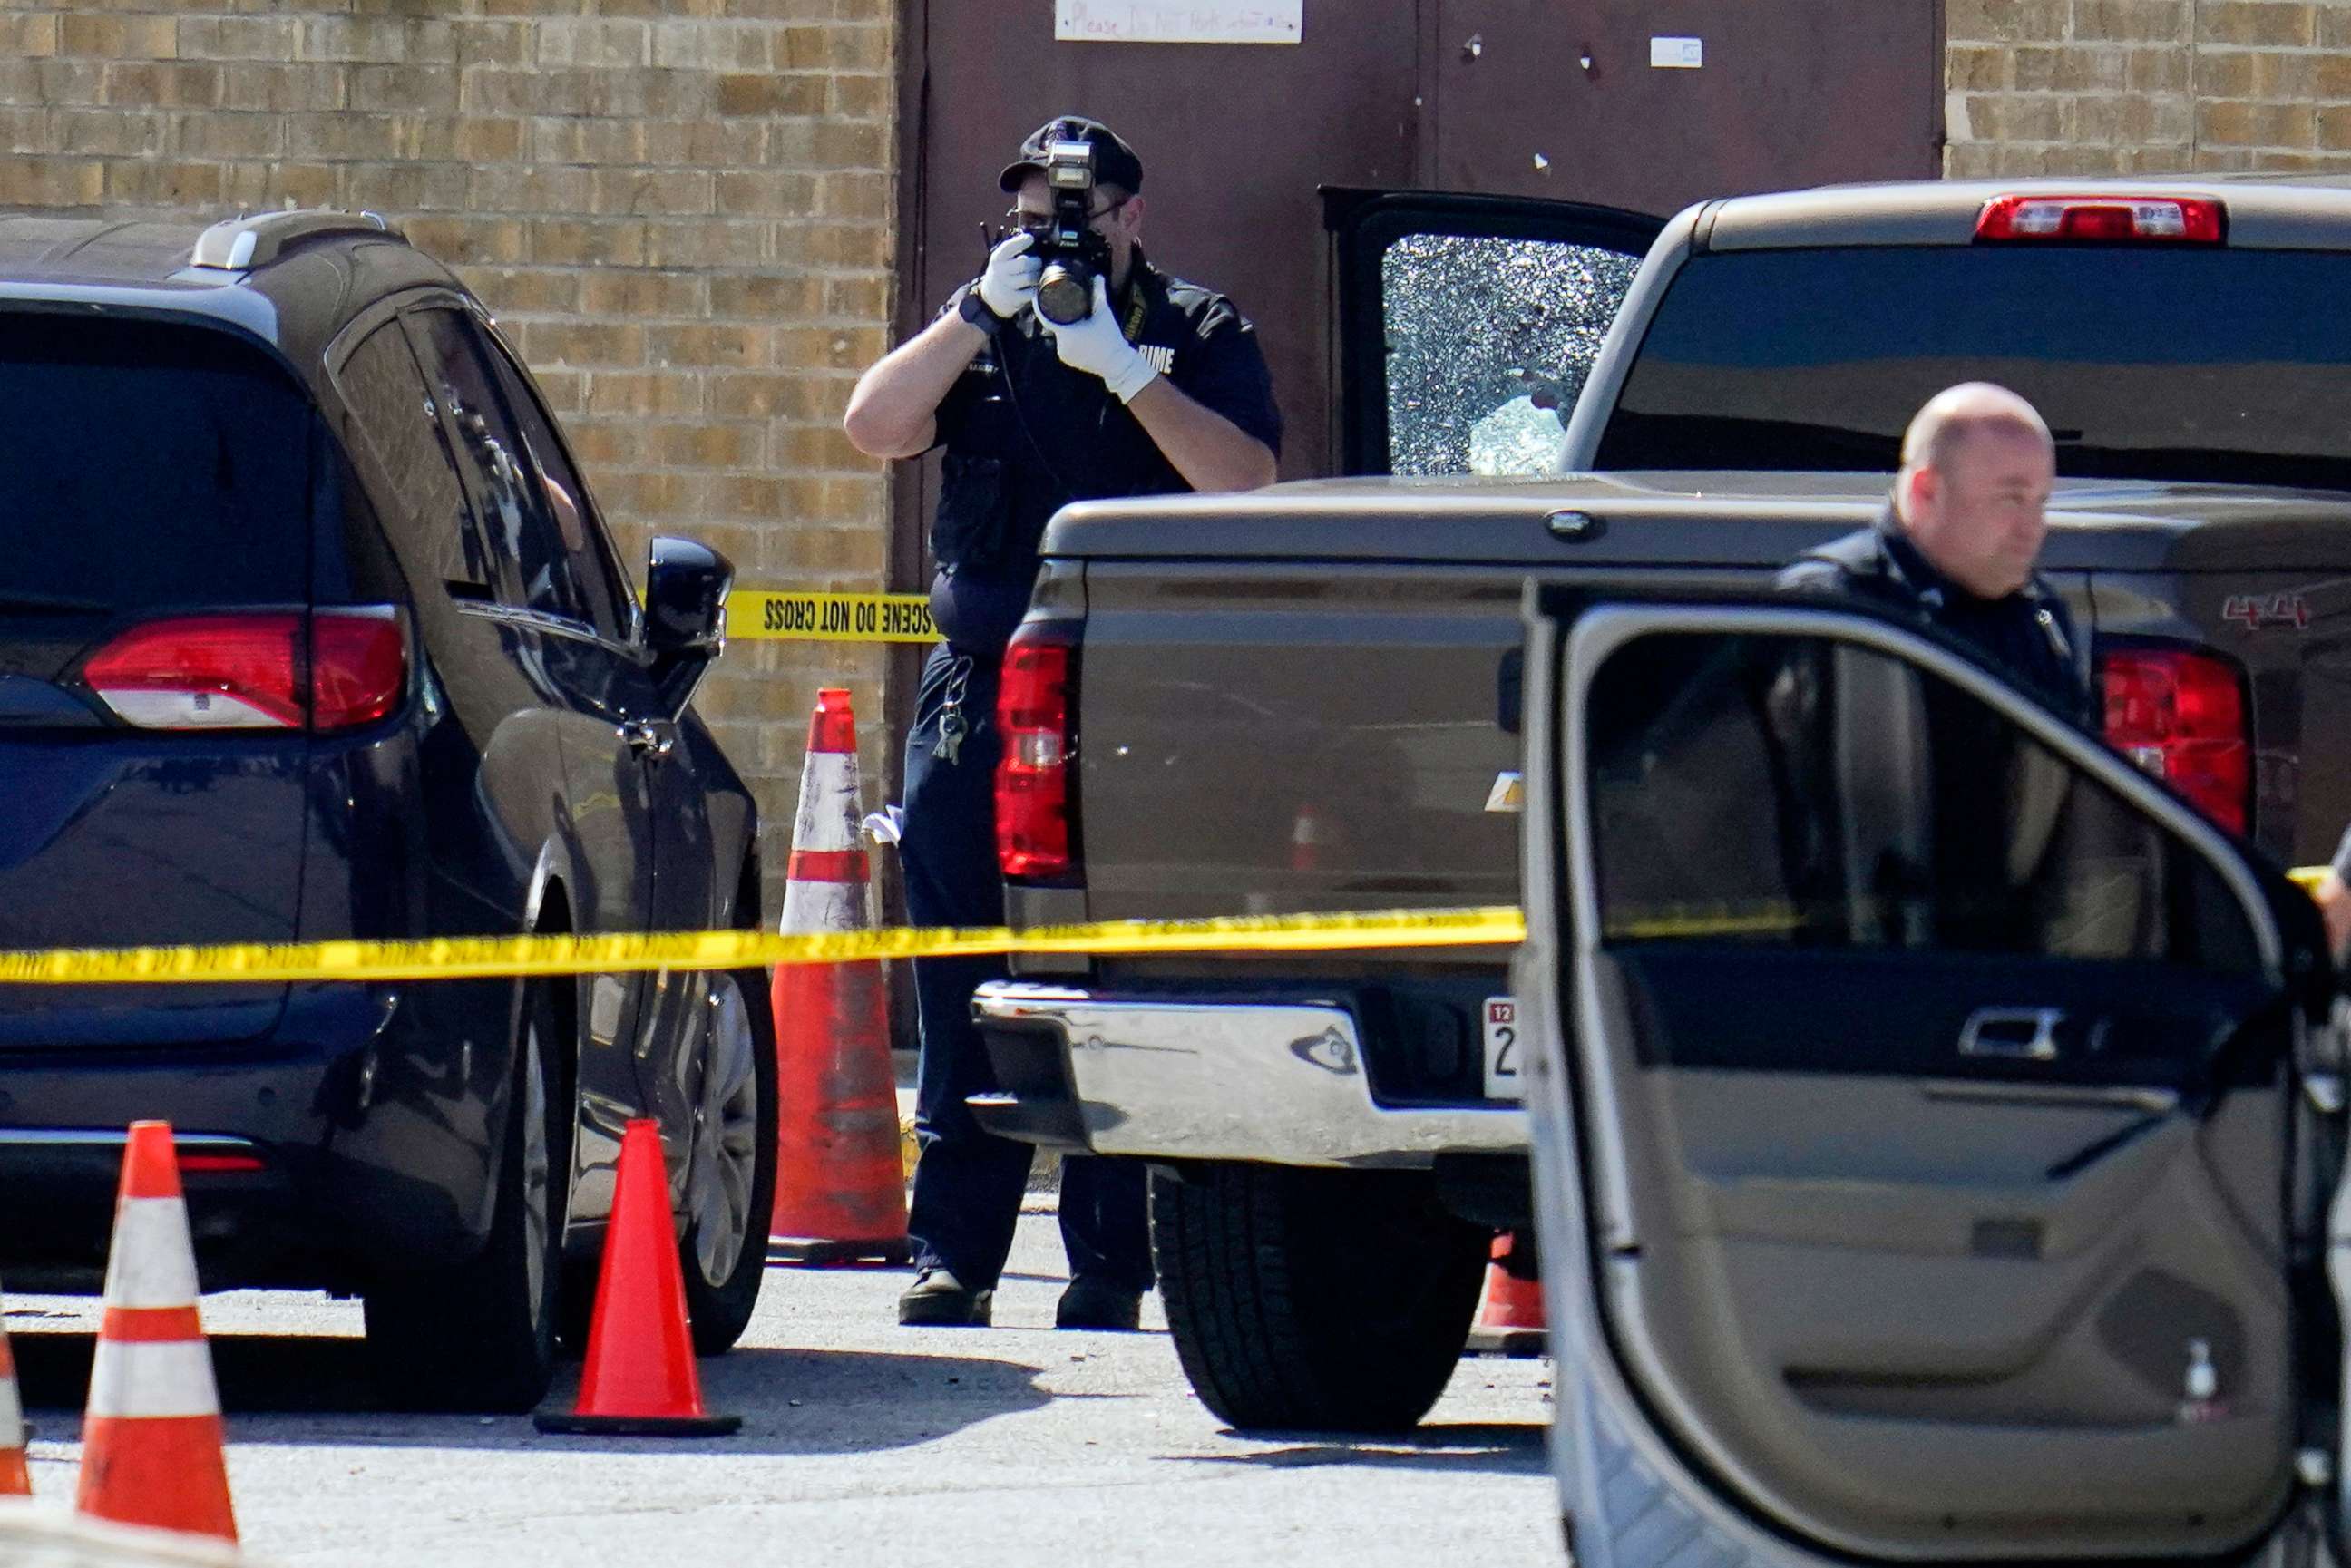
1511	1312
841	1181
151	1436
14	1480
640	1380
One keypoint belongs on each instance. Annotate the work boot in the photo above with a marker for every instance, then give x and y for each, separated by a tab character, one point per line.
1094	1303
938	1300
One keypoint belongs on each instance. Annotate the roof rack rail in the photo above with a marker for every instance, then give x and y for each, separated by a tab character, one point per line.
235	245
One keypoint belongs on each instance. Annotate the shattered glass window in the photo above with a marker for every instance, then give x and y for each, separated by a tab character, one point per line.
1489	341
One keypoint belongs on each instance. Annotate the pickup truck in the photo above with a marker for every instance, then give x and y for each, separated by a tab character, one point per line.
1307	698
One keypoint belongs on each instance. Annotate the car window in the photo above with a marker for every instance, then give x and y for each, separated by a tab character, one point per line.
522	527
1489	341
1814	359
1799	791
596	566
206	502
397	415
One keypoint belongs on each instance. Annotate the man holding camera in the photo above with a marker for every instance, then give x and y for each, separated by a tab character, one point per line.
1070	368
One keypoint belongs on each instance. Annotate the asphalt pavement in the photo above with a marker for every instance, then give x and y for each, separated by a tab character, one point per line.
862	1442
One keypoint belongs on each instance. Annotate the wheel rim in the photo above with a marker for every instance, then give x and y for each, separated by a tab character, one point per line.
728	1153
535	1166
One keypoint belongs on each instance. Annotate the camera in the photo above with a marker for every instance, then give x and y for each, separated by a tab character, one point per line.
1073	254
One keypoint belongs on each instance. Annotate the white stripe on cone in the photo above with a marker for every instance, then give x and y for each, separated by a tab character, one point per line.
12	1415
810	908
152	1264
140	1378
828	812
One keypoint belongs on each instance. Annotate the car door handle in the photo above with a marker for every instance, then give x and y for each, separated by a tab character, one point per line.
653	737
2028	1034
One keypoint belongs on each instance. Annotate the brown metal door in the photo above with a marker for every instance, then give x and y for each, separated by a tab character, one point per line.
1543	98
1559	98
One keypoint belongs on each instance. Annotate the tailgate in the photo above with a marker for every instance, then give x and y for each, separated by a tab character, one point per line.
1266	738
1258	738
147	471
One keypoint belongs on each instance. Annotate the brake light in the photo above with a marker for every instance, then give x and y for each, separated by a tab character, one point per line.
359	665
2181	716
332	669
1035	711
2111	220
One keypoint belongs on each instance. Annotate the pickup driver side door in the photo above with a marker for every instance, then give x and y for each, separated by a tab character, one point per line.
1922	1148
1468	324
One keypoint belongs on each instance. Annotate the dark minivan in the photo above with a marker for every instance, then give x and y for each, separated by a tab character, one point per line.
310	628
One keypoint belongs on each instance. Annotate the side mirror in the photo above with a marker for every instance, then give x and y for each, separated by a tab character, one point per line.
685	616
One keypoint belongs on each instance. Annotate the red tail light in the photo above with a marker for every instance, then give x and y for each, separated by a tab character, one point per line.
2181	716
359	665
332	669
1036	717
2113	220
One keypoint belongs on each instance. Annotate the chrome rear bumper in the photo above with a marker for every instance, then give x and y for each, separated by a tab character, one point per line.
1283	1083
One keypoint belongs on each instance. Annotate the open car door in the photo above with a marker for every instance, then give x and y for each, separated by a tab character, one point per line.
1466	324
1930	1160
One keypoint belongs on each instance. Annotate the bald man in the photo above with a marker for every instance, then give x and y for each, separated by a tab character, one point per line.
1960	538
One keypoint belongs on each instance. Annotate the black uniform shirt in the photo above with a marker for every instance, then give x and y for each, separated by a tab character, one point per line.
1025	435
2028	634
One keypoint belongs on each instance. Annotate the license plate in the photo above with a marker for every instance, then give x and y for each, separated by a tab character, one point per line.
1504	1055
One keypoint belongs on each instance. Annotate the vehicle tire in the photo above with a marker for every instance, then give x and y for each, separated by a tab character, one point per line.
480	1335
731	1188
1314	1299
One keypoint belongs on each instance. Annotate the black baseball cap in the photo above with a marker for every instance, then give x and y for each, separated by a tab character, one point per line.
1115	162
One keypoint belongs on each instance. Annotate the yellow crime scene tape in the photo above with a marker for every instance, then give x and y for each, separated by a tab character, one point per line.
760	614
463	957
477	957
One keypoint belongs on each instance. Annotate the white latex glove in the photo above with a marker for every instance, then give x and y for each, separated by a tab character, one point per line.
1008	286
1098	347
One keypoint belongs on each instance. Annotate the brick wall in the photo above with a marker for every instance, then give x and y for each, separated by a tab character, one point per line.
683	221
2093	87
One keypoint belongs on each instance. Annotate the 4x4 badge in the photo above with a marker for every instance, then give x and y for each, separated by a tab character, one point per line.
2256	614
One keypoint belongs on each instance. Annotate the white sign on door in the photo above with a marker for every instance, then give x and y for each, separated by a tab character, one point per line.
1178	21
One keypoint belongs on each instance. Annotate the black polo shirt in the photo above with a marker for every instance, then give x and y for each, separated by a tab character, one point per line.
1025	435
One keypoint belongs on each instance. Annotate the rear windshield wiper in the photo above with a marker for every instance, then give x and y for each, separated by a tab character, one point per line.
50	604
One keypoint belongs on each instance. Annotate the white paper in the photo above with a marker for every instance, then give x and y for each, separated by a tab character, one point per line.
1677	54
1178	21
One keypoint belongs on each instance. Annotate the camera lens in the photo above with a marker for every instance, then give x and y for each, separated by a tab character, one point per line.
1065	293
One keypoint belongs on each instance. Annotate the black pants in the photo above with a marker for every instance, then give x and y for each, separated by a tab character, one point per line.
967	1184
